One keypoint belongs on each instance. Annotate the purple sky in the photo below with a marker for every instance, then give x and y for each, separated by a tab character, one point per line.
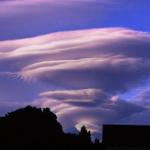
88	60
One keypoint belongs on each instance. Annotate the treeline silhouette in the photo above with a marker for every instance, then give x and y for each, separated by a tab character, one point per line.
32	128
36	128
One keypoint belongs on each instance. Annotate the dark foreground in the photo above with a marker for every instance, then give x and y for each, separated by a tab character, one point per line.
38	129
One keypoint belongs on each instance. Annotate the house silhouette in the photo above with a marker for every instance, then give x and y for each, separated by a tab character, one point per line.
126	136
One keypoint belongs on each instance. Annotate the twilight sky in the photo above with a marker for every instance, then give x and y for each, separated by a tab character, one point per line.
88	60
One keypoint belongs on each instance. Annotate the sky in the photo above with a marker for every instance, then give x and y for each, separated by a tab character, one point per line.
87	60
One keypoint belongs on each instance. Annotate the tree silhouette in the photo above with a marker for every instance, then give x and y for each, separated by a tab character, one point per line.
36	128
85	136
30	127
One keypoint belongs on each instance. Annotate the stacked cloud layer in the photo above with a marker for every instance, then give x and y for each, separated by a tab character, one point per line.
81	75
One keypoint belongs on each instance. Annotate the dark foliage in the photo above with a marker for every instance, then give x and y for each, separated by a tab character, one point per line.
35	128
32	128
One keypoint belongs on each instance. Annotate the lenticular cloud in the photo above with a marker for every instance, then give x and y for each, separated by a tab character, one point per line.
85	69
87	58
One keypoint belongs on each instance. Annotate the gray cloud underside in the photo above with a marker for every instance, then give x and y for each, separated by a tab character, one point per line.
88	67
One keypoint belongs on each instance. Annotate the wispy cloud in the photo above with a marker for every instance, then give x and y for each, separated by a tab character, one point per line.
88	61
13	6
84	71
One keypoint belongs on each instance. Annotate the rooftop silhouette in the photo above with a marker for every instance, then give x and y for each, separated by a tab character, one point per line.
133	136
